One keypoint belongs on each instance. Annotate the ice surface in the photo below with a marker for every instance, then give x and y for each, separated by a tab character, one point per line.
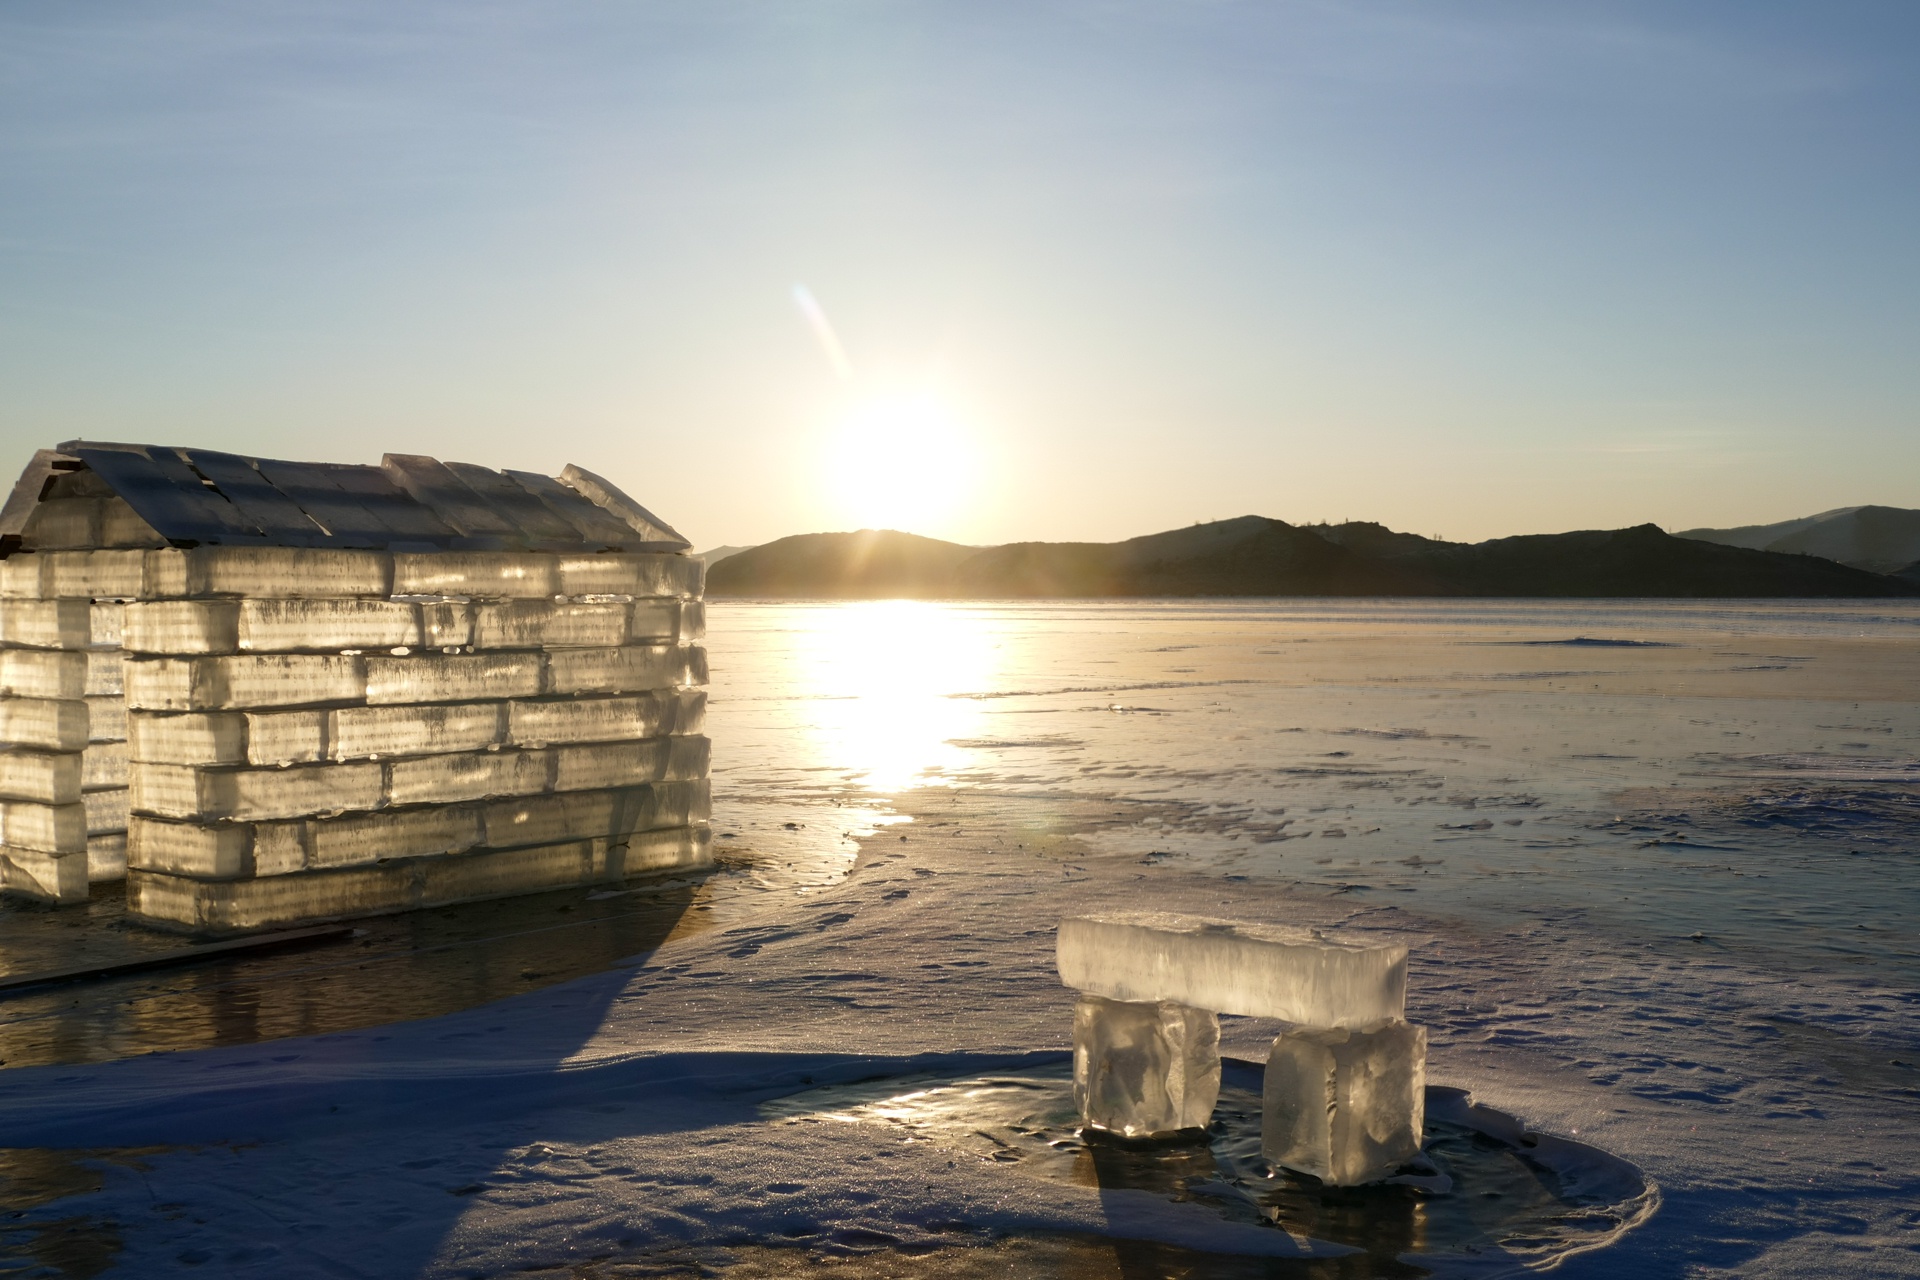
47	828
468	776
645	851
50	724
495	574
647	715
46	624
668	621
38	874
91	575
246	680
1346	1104
104	673
287	737
653	851
196	737
618	764
362	839
189	848
445	624
173	791
45	777
1262	971
1647	1093
264	572
181	626
588	814
64	522
693	621
21	578
626	670
106	718
105	625
104	765
106	857
43	673
437	677
357	732
642	574
1141	1069
269	626
106	811
399	885
536	624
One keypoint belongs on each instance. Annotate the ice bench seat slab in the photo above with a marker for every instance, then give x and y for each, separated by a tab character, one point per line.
1254	970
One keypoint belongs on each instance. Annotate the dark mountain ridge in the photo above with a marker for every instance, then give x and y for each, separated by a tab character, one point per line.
867	565
1877	539
1258	556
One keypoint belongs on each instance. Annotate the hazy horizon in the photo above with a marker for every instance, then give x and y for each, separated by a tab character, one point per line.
997	273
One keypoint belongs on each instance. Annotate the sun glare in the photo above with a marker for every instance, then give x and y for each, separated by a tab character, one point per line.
903	462
886	684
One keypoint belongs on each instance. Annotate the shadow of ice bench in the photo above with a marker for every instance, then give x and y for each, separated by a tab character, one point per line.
1345	1084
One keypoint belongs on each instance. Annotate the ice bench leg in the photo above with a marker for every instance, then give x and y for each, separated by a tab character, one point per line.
1346	1106
1141	1069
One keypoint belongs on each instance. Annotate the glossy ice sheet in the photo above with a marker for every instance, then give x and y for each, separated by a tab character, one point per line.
1484	1193
1745	772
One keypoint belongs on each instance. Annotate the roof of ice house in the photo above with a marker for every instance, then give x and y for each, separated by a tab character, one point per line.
407	503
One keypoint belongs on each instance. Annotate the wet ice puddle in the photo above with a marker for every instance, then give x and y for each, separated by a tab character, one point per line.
1487	1197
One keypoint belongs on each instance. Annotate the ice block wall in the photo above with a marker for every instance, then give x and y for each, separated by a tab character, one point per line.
63	720
43	725
321	733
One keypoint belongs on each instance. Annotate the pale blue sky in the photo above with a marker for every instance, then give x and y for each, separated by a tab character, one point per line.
1469	269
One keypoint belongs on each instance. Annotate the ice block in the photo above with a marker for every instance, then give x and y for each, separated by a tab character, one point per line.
1345	1105
1262	971
1145	1069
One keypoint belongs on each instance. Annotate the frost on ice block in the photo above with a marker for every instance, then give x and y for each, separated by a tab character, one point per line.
1145	1069
1261	971
1345	1104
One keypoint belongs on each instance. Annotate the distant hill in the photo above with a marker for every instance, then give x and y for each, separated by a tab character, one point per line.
1257	556
717	554
1877	539
1248	556
871	564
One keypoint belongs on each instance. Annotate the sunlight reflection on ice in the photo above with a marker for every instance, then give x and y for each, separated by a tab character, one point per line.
882	672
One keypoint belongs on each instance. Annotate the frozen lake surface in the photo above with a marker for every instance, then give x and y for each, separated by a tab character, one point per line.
1656	863
1749	773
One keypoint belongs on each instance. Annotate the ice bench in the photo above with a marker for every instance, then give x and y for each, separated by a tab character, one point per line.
1345	1084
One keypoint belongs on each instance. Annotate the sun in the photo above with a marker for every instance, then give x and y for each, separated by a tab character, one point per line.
901	462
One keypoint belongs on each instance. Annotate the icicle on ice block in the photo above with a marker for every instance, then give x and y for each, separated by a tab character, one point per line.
1262	971
1345	1104
1145	1069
